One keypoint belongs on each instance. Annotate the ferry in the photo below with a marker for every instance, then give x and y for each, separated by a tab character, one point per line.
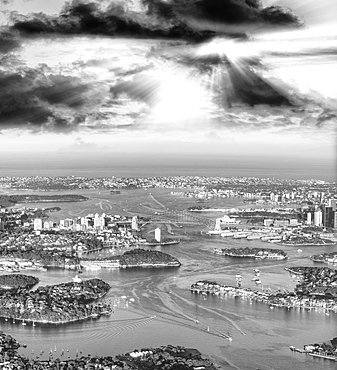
240	235
254	237
225	234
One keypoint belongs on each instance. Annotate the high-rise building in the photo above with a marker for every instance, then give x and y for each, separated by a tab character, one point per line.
134	223
309	218
157	234
318	217
329	213
333	204
37	224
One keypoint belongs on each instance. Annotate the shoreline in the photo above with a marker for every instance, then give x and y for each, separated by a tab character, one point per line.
51	322
272	300
147	265
305	244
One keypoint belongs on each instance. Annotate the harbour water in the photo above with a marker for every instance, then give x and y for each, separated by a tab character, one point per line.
165	312
155	307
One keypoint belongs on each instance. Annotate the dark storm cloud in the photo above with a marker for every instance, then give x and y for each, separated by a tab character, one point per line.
87	18
141	87
222	11
251	89
170	19
326	115
30	97
9	40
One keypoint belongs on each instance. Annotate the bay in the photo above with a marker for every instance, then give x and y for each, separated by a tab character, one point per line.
154	307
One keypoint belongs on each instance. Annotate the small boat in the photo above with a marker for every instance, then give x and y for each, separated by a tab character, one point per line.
258	281
23	323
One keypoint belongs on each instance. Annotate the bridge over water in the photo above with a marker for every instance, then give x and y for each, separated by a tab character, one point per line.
182	217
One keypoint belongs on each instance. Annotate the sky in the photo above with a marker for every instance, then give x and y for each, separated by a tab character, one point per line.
214	77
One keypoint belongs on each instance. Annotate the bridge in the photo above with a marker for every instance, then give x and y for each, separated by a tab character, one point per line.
182	217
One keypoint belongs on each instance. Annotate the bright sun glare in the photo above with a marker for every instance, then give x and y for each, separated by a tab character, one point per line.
180	97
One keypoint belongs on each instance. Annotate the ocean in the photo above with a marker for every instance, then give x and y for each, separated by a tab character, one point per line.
139	165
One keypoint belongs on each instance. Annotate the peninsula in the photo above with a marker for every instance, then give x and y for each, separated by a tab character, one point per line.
317	289
56	304
14	282
165	357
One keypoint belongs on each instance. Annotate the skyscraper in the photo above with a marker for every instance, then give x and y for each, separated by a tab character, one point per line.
318	217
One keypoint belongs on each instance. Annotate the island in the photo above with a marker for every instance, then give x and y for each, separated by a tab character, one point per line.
325	258
56	304
167	357
133	258
257	253
14	282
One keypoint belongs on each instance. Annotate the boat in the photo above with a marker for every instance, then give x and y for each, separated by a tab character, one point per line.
254	237
240	235
225	234
258	281
24	323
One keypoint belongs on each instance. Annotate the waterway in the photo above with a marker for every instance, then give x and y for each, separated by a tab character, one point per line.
155	307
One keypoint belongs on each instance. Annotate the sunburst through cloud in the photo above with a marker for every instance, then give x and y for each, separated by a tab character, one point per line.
199	72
